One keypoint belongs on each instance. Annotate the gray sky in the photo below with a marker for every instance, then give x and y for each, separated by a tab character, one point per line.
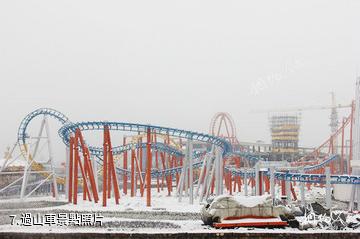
176	63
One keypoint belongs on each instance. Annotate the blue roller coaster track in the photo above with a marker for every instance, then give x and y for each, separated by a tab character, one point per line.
68	128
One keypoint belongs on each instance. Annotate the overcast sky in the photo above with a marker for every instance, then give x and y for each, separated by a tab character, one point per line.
177	63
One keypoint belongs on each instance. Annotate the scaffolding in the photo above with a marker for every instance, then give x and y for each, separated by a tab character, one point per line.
284	136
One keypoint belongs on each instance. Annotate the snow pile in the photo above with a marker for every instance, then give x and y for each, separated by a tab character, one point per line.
252	201
226	206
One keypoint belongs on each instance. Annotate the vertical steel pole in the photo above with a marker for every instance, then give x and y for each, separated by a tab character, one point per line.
148	168
132	193
257	179
218	173
191	177
156	162
328	187
95	170
201	177
51	158
351	136
288	191
105	169
221	179
109	175
67	172
27	168
342	148
207	177
125	168
245	183
272	182
141	158
302	190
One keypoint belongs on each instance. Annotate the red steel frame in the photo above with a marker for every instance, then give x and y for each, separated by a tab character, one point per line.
86	171
109	173
148	168
125	168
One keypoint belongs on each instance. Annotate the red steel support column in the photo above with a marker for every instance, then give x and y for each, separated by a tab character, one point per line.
283	190
267	184
156	163
88	169
71	168
170	177
351	136
108	167
92	177
293	192
170	165
162	156
176	165
342	147
148	169
157	167
125	168
85	183
76	169
105	164
139	172
141	169
114	179
111	168
132	173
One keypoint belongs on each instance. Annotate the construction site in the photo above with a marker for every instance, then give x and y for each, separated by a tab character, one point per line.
179	181
185	119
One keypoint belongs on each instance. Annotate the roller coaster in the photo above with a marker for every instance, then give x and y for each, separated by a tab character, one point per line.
220	163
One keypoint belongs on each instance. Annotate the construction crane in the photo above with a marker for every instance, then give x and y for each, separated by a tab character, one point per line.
334	122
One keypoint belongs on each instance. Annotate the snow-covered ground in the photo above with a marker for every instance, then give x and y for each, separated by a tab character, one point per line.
166	215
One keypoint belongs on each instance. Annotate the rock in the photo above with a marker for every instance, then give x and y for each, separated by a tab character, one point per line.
291	220
353	225
323	224
319	209
278	202
338	220
339	225
294	223
306	226
337	216
297	212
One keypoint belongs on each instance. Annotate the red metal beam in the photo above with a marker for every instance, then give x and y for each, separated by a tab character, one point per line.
76	169
105	172
71	168
125	168
148	168
132	193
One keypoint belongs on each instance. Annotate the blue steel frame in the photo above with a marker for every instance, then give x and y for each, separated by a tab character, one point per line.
68	128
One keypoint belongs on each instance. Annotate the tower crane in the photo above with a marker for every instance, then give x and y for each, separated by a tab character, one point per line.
334	122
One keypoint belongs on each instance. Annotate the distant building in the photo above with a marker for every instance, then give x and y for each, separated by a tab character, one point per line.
284	130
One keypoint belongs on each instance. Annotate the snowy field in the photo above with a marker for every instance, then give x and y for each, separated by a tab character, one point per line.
166	215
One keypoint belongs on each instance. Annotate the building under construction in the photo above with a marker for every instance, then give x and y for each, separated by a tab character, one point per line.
284	136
